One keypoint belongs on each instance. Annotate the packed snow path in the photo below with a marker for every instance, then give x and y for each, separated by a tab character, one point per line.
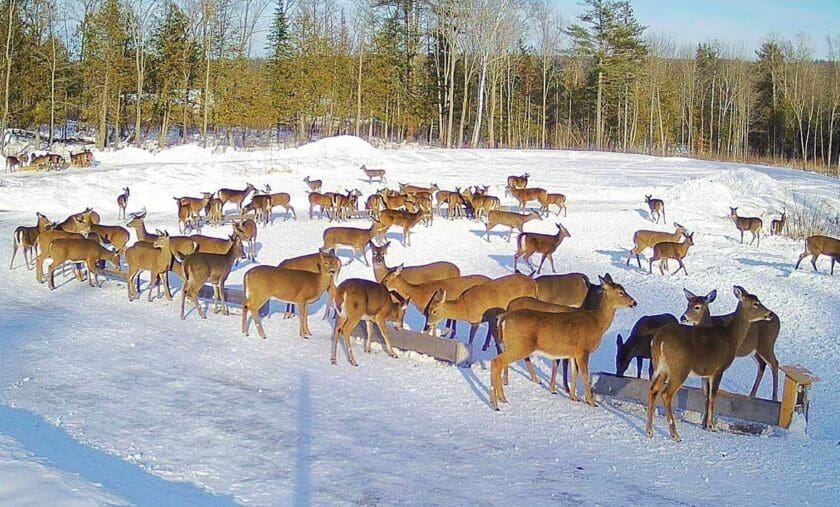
272	422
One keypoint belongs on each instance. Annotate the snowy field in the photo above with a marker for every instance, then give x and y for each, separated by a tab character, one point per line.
103	401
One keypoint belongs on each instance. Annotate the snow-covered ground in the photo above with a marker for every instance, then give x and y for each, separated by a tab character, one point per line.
199	414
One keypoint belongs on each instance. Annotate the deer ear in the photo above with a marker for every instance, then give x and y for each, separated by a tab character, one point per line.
739	291
606	278
398	269
688	294
710	297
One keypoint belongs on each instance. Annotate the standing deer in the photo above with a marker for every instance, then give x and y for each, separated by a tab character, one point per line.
199	267
679	350
412	274
138	223
46	237
752	224
122	202
558	200
514	181
777	226
324	202
357	239
529	243
311	263
155	257
236	196
643	239
637	345
374	173
526	195
656	207
26	237
668	250
247	232
77	249
11	163
760	341
820	245
404	219
509	219
574	335
314	185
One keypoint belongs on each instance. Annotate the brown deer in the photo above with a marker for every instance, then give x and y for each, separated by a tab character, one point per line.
200	267
155	257
122	202
357	239
314	185
45	239
324	202
81	159
820	245
479	304
282	199
185	217
359	300
509	219
570	289
79	250
558	200
442	197
235	196
375	203
517	181
752	224
481	203
415	189
247	232
777	226
116	235
260	205
644	239
395	201
657	209
525	195
668	250
679	350
74	222
760	341
412	274
455	206
637	345
529	243
291	285
574	335
138	223
11	163
26	237
374	173
196	205
311	263
398	218
215	211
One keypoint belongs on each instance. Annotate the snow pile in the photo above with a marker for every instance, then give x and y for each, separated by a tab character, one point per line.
752	191
340	147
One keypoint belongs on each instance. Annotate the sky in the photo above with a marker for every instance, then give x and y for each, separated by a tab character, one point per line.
733	22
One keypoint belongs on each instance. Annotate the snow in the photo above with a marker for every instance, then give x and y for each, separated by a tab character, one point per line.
194	403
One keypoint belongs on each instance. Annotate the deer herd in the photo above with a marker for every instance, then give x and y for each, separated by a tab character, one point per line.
558	316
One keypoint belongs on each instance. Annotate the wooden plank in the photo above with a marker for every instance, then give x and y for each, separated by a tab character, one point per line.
451	351
799	374
727	404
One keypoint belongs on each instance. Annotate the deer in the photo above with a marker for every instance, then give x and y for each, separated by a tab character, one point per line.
679	350
374	173
637	345
420	294
260	205
122	202
235	196
509	219
479	304
357	239
570	289
820	245
481	202
200	267
77	249
574	335
412	274
442	197
155	257
137	223
311	263
520	182
752	224
11	163
116	235
558	200
247	232
669	250
777	226
423	204
644	239
73	223
456	205
292	285
529	243
314	185
525	195
324	202
282	199
359	300
215	211
404	219
26	237
760	341
415	189
656	207
45	239
375	203
196	204
395	201
82	159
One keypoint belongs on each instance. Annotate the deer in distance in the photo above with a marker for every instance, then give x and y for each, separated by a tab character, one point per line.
752	224
820	245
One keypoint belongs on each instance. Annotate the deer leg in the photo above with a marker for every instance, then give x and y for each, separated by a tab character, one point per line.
328	305
713	395
638	367
814	261
650	368
742	237
383	328
369	335
587	388
682	266
165	277
667	400
473	330
655	387
225	310
552	382
802	256
573	391
348	346
303	316
531	371
15	249
194	296
760	364
339	322
184	290
551	261
650	266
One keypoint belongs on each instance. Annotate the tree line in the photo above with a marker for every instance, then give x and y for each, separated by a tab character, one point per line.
454	73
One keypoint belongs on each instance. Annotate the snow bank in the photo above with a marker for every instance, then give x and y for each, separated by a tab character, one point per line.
752	191
349	147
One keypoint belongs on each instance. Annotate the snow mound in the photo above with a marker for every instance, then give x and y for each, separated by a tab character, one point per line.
127	155
752	191
185	154
350	147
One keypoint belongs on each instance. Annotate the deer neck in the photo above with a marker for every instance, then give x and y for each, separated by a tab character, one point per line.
380	271
682	248
736	329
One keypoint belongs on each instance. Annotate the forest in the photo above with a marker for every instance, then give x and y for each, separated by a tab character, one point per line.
450	73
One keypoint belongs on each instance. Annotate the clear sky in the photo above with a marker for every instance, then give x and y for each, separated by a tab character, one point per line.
733	21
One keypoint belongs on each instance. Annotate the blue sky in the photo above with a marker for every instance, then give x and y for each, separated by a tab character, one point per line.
733	21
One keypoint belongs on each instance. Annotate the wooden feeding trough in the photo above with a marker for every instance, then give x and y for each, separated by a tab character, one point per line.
753	414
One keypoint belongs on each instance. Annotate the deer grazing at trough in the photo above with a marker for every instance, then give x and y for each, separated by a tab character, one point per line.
656	207
644	239
374	173
291	285
79	249
412	274
509	219
26	237
311	263
479	304
403	219
752	224
679	350
357	239
122	202
514	181
154	257
529	243
637	345
525	195
359	300
235	196
760	341
820	245
669	250
481	202
200	267
778	226
324	202
558	200
47	236
575	335
247	232
314	185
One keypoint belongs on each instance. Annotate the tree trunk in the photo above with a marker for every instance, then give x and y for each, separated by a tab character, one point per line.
598	126
102	131
8	68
